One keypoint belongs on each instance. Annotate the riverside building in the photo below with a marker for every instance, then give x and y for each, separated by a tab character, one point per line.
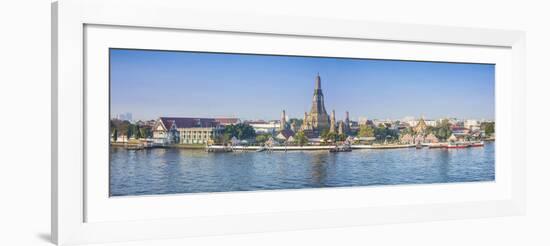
186	130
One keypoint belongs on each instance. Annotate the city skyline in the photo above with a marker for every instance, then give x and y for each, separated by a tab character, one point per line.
150	84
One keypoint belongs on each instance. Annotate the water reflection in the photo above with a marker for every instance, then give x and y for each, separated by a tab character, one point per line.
318	165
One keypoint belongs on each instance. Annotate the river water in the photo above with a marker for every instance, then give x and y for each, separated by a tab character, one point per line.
170	171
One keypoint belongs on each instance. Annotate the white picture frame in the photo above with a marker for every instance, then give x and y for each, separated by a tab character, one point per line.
83	214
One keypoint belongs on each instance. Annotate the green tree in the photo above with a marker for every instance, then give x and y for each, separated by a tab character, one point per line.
123	127
115	123
145	132
342	137
138	132
380	132
298	122
366	131
332	136
301	138
443	129
240	131
441	133
220	139
129	129
262	138
431	129
115	135
324	134
488	127
407	130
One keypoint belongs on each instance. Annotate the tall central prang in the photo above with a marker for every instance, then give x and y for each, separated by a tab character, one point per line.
318	119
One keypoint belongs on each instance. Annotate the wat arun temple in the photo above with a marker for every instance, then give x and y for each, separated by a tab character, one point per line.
318	120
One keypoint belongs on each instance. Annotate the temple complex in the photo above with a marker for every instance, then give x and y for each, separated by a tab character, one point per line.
317	119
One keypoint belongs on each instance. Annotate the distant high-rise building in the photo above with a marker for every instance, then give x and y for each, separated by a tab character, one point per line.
124	116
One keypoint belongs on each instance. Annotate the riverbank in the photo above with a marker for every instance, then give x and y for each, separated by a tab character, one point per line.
186	146
221	148
133	145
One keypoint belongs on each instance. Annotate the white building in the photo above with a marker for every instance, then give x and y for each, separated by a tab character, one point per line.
363	120
452	121
472	124
262	127
377	122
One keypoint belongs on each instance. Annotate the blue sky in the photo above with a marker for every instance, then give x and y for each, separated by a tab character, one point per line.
150	84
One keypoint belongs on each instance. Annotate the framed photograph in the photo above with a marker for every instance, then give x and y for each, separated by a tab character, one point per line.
172	123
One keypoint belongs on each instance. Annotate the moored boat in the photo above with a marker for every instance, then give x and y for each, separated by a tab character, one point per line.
478	144
344	148
457	145
135	147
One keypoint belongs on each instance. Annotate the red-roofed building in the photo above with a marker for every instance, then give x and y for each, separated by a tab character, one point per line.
227	121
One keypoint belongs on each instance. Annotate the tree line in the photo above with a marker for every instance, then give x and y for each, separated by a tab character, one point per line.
129	130
380	132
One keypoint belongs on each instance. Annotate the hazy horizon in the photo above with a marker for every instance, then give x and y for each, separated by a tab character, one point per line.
150	84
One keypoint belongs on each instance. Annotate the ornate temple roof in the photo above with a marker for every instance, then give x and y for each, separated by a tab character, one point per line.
421	126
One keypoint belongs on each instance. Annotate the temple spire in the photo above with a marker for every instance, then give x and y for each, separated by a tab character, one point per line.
282	125
318	82
333	121
347	122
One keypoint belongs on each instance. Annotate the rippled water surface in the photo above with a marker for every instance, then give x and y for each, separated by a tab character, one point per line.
168	171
